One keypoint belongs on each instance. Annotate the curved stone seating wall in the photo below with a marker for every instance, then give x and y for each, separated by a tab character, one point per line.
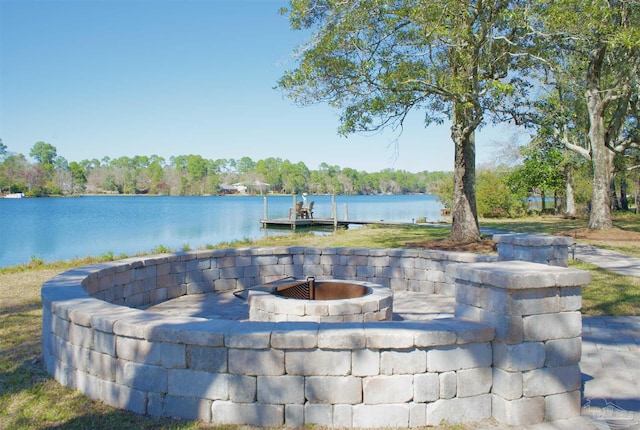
367	374
143	281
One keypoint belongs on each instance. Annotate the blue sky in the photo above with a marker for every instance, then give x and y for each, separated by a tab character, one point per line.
118	78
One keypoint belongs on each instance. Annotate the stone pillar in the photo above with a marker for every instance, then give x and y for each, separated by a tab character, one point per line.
537	248
536	352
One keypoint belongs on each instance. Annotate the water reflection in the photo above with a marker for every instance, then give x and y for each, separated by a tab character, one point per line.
61	228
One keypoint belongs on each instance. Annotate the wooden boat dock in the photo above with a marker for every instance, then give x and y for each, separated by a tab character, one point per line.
320	222
332	222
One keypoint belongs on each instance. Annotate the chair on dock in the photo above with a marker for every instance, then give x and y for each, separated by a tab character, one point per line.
308	212
298	211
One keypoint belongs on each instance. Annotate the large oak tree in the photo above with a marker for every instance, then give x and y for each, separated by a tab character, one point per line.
589	51
376	60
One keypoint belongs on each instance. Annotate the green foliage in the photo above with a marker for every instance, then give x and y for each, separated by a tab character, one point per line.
161	249
43	153
442	188
495	200
540	173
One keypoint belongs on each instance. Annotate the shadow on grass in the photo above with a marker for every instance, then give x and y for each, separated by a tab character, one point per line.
31	399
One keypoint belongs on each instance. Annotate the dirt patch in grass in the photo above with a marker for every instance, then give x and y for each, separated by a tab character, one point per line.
610	235
484	246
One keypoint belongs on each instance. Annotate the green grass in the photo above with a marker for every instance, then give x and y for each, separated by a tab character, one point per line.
30	399
609	293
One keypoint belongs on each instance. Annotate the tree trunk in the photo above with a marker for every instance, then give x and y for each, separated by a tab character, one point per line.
601	156
464	226
570	204
624	202
614	202
602	162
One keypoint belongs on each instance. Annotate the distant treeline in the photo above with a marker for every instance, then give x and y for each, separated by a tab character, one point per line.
52	174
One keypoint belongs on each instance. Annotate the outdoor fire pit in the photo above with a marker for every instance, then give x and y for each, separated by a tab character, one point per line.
320	301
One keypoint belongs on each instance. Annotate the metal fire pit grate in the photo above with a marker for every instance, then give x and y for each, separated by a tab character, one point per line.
298	290
287	287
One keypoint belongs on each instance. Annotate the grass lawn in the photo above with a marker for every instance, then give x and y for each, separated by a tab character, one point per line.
30	399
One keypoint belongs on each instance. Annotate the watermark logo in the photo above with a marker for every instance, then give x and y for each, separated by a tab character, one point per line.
608	415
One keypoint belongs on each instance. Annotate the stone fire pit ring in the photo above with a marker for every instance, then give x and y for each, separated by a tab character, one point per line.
375	305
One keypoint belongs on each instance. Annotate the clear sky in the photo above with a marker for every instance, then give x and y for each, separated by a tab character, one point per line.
119	78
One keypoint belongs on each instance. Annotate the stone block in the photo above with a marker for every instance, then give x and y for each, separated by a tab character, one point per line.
319	414
519	412
178	267
144	377
138	350
242	389
365	362
341	336
471	293
442	359
89	385
193	383
60	327
295	336
426	387
509	329
507	385
188	408
403	362
382	336
254	414
268	362
533	301
318	362
570	299
459	410
562	406
158	295
249	336
63	373
211	274
387	389
225	284
199	287
209	333
518	357
294	416
563	352
124	397
563	325
448	385
210	359
80	335
155	404
284	389
551	380
473	382
102	365
342	416
333	389
417	415
380	261
376	416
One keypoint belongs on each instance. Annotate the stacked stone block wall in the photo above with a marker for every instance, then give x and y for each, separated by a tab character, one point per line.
536	351
536	248
352	374
145	281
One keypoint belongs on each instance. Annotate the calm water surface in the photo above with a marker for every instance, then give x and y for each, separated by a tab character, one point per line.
61	228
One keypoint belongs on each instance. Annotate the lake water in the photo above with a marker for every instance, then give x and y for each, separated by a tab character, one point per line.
62	228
